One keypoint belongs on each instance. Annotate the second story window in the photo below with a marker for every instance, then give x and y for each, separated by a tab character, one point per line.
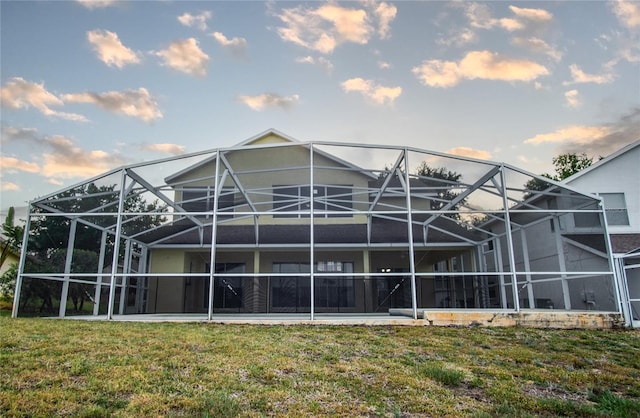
326	198
201	199
616	208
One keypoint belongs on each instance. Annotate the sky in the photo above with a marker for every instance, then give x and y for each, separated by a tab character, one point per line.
88	86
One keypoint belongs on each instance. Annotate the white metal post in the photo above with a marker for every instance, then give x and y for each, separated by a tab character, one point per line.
561	264
412	263
497	256
124	280
98	292
527	269
23	258
311	237
214	224
512	259
116	246
67	268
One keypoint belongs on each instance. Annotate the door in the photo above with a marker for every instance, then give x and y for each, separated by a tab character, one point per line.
632	275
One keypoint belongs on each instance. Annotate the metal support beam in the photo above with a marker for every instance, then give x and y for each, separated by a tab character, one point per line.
412	261
387	180
214	226
311	236
116	246
508	232
98	291
124	280
527	268
459	198
561	264
67	269
160	196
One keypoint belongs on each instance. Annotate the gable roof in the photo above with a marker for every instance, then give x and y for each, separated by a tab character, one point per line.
269	137
603	161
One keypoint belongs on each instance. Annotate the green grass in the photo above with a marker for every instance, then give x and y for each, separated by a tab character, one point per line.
51	367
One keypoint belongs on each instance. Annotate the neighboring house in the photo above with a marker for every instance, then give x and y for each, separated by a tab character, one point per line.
274	225
13	257
616	180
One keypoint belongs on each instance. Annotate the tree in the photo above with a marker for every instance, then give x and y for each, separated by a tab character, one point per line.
11	243
445	182
50	237
566	165
53	232
569	164
13	236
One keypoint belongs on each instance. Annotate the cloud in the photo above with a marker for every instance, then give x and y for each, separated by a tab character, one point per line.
185	56
10	133
61	157
70	161
484	65
321	62
323	28
538	45
534	15
136	103
579	76
198	21
272	100
171	149
573	98
627	13
18	93
383	65
379	94
97	4
7	186
479	16
110	50
597	140
237	46
470	153
458	37
575	133
385	13
12	164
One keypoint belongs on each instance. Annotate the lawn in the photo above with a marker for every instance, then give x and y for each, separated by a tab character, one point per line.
51	367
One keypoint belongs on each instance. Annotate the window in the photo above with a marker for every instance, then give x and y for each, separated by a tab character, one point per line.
293	293
201	199
326	198
587	219
291	199
615	208
227	291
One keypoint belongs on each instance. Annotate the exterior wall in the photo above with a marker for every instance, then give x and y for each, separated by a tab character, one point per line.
166	294
620	175
292	169
11	259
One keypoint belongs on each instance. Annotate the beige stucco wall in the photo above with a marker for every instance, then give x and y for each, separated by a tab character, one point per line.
286	166
166	294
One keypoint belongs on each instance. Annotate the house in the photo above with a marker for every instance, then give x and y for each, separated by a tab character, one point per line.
616	180
278	226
